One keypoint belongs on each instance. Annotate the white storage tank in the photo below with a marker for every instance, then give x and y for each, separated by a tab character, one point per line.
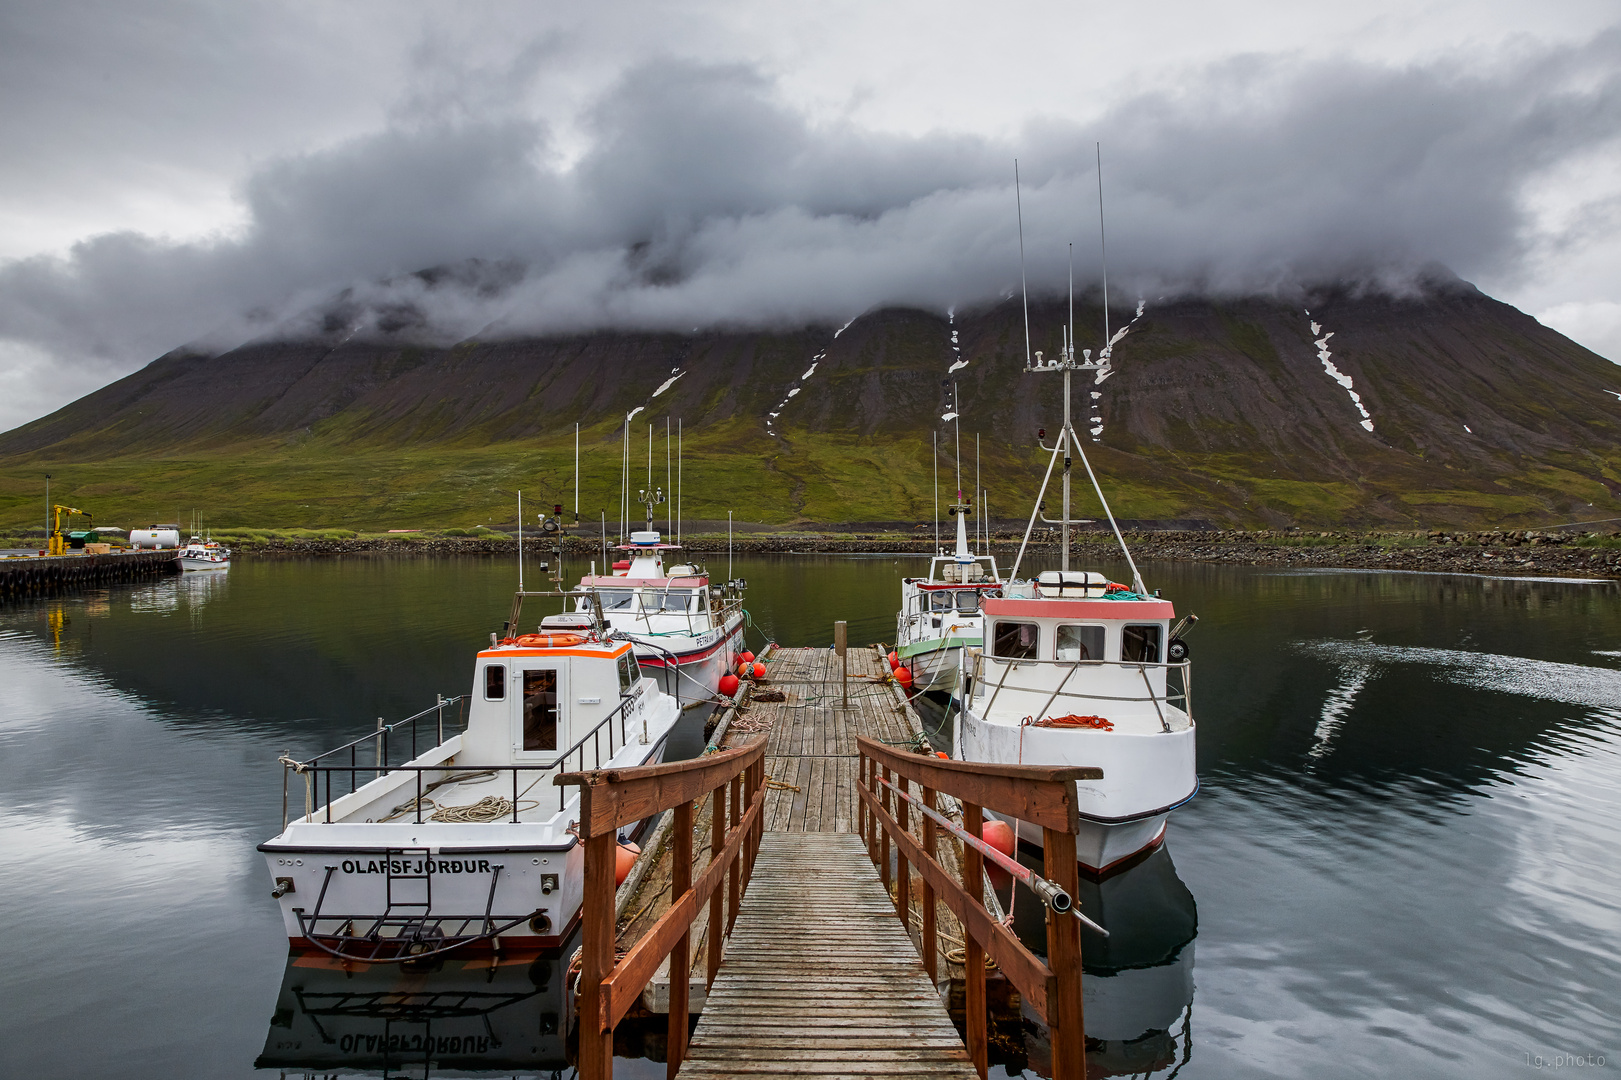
154	538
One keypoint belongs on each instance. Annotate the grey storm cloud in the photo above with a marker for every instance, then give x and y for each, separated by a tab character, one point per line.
699	198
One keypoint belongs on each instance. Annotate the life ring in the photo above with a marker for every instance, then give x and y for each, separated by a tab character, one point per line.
546	641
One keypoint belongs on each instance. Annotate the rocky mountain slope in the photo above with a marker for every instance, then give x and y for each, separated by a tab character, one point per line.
1445	407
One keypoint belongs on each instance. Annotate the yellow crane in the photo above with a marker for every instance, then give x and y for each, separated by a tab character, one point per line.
57	543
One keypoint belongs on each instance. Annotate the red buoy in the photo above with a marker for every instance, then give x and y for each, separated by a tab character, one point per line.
759	671
624	859
998	834
729	685
743	669
894	660
942	754
748	656
904	677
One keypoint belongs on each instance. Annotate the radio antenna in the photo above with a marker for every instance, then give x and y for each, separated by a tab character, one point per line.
1103	244
1024	289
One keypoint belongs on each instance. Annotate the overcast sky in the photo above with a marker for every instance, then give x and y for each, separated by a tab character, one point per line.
181	173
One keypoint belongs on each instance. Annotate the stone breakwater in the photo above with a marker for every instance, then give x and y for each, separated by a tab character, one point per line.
1496	552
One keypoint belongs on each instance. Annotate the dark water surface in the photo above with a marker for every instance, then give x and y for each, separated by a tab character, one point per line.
1406	857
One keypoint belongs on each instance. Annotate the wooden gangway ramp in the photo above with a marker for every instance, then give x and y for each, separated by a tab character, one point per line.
819	977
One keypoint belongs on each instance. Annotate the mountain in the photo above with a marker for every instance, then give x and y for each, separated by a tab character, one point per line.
1442	407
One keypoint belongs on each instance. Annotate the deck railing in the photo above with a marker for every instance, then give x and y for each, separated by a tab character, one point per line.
980	680
317	773
611	799
1039	795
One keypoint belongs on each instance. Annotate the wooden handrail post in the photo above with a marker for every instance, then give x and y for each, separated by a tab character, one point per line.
596	1055
973	882
734	894
717	841
883	834
1066	1020
903	868
681	957
931	944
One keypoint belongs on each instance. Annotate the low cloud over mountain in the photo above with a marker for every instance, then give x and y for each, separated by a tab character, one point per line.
700	198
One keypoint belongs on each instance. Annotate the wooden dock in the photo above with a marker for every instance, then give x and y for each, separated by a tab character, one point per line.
831	957
819	978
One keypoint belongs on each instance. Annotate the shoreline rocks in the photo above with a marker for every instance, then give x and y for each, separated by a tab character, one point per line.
1497	552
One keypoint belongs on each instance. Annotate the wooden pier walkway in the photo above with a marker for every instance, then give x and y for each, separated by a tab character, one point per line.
819	977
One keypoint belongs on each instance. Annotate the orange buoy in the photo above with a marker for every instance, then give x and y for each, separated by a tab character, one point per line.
942	754
743	669
904	677
624	859
894	660
759	671
998	834
729	685
747	656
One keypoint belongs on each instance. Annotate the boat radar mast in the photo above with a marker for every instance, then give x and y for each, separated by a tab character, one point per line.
1067	438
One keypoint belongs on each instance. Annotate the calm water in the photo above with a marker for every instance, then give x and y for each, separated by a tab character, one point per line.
1403	859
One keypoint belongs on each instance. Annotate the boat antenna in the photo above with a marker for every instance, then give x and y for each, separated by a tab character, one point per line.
669	485
650	475
1024	289
1071	345
520	543
678	480
978	521
728	547
937	493
576	473
1103	246
956	427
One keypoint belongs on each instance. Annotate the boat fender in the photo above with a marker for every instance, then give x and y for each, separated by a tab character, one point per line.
545	641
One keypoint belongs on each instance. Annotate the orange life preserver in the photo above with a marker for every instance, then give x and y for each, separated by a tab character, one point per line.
546	641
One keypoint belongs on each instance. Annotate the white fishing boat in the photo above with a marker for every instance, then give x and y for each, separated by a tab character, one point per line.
687	633
941	614
468	843
202	554
1078	670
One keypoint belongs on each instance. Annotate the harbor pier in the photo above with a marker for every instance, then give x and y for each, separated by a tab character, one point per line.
48	575
824	840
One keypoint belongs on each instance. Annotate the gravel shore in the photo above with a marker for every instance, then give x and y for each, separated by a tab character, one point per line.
1555	554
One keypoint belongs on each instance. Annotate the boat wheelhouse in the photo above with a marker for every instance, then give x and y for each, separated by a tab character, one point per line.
467	842
940	614
686	632
1075	670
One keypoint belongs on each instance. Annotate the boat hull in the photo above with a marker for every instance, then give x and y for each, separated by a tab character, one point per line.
688	668
935	663
189	563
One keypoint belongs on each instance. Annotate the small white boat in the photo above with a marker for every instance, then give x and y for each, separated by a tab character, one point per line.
202	554
941	615
1078	670
468	842
687	633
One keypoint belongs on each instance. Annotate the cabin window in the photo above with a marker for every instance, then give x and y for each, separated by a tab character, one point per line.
540	710
1140	644
674	600
940	601
968	602
628	672
616	599
1015	640
1080	643
495	683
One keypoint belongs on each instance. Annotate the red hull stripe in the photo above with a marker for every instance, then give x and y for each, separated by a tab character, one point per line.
682	659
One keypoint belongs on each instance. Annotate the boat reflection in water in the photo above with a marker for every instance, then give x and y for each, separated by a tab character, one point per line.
1138	981
457	1016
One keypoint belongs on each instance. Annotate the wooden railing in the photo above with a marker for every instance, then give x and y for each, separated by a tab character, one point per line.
613	798
1036	794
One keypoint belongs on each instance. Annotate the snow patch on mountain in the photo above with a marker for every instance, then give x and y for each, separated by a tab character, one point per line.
1336	374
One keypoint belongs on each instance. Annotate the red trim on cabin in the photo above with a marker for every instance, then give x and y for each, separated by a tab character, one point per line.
1054	607
497	654
621	582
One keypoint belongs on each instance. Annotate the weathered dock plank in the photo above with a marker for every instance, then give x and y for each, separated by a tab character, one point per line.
815	907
